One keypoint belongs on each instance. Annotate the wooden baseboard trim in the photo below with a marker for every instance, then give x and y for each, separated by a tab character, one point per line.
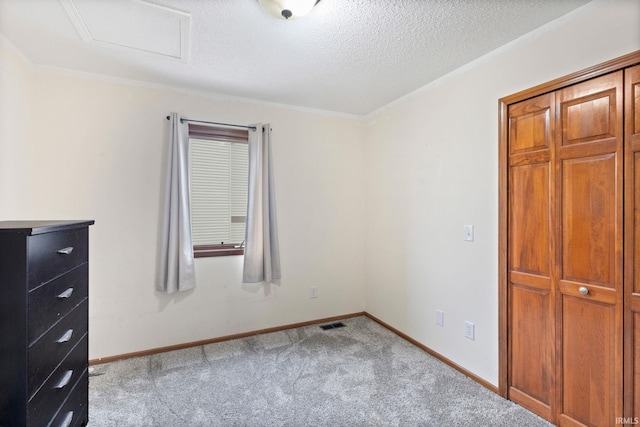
435	354
219	339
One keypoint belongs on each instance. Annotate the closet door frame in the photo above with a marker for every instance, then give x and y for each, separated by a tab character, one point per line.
503	225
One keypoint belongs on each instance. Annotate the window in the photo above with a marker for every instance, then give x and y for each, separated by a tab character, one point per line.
218	168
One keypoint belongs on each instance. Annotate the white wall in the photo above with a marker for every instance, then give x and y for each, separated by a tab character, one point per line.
432	166
80	147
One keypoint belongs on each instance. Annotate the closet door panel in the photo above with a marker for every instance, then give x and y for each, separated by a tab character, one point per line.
591	238
589	118
591	111
531	302
588	362
530	259
633	377
532	348
530	220
632	242
529	126
588	220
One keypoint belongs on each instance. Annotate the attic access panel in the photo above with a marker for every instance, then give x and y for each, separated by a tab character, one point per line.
132	24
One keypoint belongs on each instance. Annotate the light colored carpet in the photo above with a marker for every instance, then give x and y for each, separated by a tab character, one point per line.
359	375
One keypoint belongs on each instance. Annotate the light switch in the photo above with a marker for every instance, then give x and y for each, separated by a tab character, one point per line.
469	330
468	233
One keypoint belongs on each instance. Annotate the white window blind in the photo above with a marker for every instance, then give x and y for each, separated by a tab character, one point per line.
218	178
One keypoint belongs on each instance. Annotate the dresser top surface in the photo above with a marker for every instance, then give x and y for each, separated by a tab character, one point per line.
40	227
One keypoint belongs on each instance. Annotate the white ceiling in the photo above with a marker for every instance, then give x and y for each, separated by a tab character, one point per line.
348	56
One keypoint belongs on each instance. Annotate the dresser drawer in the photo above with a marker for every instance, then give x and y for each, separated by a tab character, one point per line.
74	411
57	387
52	254
51	302
47	352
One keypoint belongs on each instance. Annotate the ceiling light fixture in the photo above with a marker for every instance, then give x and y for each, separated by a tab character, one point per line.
288	9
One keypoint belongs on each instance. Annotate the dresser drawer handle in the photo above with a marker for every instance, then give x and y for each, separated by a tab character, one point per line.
64	380
65	294
66	337
65	251
67	419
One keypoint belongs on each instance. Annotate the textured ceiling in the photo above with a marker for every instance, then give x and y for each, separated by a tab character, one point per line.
349	56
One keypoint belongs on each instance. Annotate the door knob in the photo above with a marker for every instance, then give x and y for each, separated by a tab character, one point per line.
583	290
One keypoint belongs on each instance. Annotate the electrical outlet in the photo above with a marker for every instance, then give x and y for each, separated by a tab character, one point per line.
469	330
468	232
439	317
313	292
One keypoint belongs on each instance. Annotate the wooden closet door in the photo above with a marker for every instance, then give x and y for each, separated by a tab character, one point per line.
531	265
632	242
589	305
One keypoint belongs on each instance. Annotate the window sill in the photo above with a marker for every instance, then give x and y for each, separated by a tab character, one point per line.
216	250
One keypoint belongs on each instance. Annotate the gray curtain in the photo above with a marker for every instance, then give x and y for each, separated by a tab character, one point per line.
261	253
176	267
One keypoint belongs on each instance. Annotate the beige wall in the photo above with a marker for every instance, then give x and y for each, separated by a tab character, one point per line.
76	147
432	166
16	112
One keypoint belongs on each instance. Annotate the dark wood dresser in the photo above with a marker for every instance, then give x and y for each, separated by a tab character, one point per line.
44	323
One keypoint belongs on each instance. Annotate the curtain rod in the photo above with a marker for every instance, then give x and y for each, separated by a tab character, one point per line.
182	120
